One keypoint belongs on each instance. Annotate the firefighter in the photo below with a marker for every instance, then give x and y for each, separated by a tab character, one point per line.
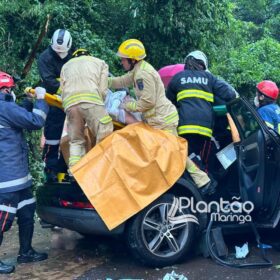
16	197
157	111
84	84
265	100
49	64
194	91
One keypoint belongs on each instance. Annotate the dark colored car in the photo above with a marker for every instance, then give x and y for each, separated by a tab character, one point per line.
251	183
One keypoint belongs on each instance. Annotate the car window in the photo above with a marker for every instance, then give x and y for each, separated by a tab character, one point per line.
247	121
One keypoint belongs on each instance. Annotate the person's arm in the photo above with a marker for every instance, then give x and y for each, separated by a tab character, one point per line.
224	91
27	104
62	80
265	115
103	85
19	117
47	73
121	82
171	93
145	85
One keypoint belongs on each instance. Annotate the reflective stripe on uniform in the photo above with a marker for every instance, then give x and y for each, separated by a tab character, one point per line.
40	113
192	169
105	119
110	81
26	202
73	160
8	209
131	106
145	66
168	130
59	91
269	124
272	126
190	93
171	118
82	97
15	182
52	142
195	129
2	126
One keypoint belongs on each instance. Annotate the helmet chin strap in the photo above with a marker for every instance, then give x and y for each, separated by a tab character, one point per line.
132	63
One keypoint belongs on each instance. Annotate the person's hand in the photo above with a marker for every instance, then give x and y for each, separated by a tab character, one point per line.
28	92
122	105
27	89
40	92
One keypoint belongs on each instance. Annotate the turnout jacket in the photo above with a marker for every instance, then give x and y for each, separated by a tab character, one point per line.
84	79
193	93
14	173
271	115
156	109
49	66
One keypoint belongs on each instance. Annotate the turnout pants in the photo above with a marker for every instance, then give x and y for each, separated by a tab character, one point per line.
98	121
20	204
199	177
199	145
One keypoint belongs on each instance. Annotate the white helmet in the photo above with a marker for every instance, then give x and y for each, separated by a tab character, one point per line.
200	56
61	41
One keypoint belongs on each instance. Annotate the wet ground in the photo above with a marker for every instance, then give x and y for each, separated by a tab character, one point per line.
73	257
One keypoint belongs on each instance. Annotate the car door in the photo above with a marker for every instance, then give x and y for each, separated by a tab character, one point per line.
258	161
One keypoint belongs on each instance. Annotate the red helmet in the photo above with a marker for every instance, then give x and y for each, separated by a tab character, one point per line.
6	80
268	88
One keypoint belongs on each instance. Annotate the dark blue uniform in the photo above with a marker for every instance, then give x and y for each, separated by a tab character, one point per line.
16	197
193	93
271	115
49	65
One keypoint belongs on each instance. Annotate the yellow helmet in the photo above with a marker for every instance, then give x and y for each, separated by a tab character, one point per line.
133	49
80	52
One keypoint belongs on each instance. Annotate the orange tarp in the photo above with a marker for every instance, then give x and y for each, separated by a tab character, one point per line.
130	169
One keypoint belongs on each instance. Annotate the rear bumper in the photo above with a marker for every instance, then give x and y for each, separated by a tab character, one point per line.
82	221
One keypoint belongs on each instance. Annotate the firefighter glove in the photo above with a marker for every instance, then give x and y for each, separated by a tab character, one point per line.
40	92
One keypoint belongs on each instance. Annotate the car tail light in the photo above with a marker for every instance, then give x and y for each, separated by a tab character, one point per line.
75	204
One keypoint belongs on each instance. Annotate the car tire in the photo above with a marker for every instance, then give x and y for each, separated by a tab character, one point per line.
151	239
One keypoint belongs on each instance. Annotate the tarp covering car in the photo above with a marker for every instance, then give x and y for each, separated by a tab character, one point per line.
130	169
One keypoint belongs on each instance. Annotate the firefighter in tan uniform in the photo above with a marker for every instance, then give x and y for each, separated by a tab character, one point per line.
156	109
84	83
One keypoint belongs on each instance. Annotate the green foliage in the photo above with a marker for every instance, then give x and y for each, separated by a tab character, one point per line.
256	11
251	64
36	164
177	27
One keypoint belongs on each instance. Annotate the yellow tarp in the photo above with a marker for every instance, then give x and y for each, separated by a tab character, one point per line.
130	169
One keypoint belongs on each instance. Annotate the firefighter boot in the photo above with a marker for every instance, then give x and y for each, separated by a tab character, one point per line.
5	268
26	253
209	188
